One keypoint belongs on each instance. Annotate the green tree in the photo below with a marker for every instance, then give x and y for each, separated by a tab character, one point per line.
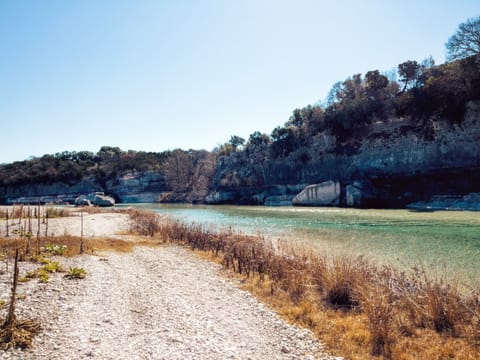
257	139
375	82
466	41
236	141
283	141
409	73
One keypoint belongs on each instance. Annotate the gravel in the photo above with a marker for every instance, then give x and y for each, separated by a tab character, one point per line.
153	303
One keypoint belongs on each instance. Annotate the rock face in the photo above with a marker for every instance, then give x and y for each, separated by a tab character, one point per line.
57	192
449	202
390	165
217	197
324	194
131	187
353	195
138	187
96	199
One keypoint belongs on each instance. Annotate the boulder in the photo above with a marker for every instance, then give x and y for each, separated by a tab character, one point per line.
82	201
100	199
279	200
324	194
353	194
103	201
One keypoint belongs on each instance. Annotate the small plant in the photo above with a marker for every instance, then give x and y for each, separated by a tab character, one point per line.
55	249
40	274
39	259
53	267
43	276
76	273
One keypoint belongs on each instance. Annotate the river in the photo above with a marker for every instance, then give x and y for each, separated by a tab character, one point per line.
445	242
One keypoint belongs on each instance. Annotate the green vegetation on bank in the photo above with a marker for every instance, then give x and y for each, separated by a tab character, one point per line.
183	171
69	167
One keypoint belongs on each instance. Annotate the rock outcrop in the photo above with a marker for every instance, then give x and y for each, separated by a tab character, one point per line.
391	165
132	187
449	202
138	187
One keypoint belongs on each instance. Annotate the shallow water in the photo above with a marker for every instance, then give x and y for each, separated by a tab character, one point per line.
444	241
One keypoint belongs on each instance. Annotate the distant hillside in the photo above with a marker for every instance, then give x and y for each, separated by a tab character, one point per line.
129	176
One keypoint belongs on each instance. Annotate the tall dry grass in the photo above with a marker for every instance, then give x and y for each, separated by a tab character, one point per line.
143	222
373	311
33	211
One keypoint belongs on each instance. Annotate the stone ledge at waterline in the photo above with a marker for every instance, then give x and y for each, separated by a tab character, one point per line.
97	199
324	194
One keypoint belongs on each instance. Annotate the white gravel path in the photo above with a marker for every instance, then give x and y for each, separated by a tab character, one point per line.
154	303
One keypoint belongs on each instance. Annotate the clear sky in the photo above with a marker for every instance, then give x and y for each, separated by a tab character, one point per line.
157	75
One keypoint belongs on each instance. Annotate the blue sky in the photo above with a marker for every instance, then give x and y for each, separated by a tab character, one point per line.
157	75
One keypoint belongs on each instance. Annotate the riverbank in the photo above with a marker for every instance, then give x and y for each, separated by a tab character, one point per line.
157	302
358	309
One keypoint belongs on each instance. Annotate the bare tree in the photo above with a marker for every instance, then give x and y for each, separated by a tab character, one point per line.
466	41
178	169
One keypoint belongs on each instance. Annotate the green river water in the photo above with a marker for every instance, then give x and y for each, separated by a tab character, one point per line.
447	242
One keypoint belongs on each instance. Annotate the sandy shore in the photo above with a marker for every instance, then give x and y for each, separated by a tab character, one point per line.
153	303
99	224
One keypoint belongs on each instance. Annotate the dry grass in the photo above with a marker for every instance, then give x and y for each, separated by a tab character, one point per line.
20	334
360	310
144	222
72	243
33	211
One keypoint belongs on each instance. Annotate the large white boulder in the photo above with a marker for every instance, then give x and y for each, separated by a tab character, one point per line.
324	194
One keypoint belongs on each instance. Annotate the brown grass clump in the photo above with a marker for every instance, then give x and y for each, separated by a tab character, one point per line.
71	244
20	334
33	211
143	222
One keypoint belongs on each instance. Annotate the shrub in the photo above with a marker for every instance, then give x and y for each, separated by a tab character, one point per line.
55	249
76	273
144	222
52	267
40	274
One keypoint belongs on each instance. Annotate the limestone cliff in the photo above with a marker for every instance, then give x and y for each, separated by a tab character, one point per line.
393	165
132	187
388	164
